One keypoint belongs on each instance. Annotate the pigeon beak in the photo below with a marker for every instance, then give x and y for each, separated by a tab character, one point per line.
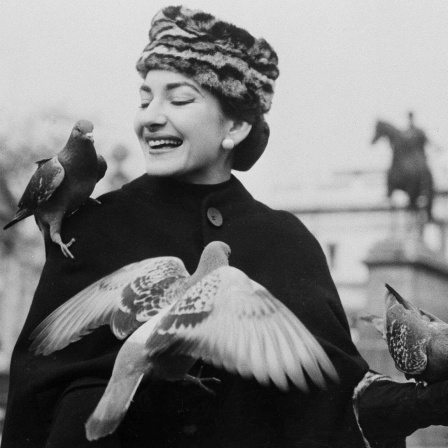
89	135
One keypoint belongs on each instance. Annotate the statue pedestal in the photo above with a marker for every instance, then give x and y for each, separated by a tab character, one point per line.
420	275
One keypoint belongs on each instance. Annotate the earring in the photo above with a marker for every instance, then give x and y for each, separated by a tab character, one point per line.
228	143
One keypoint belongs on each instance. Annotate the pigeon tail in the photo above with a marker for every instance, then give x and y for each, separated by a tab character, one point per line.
21	214
113	406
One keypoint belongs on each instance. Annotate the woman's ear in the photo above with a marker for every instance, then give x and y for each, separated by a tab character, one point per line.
239	131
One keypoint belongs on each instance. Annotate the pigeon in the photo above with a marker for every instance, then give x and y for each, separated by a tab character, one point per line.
61	184
218	314
417	340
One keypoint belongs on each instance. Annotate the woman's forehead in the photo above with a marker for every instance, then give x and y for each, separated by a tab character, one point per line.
168	80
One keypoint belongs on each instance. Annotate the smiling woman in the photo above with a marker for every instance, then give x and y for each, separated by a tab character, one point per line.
206	87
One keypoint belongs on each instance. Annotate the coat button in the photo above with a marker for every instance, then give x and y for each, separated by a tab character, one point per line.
214	216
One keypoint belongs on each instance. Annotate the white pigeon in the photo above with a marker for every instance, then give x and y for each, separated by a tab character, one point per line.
218	314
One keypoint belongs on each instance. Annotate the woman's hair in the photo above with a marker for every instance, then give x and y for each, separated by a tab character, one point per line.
237	109
248	151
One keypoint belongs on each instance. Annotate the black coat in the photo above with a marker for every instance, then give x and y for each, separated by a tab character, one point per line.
151	217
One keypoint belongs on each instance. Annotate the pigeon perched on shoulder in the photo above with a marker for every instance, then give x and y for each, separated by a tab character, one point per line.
417	340
61	184
218	314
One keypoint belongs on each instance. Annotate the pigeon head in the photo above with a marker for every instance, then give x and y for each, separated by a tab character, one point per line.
214	255
83	129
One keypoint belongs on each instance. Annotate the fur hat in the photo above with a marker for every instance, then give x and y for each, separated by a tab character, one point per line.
225	59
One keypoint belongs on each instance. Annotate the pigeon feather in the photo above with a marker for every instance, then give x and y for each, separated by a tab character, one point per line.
123	299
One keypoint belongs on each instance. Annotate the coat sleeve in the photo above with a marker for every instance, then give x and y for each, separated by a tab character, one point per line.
389	411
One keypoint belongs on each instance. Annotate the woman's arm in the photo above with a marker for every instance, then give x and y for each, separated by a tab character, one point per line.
389	411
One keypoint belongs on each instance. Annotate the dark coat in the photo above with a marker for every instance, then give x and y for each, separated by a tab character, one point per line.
152	217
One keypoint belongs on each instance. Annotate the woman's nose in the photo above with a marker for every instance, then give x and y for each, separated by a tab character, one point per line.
153	117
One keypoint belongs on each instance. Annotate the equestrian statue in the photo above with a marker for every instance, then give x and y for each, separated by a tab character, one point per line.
409	171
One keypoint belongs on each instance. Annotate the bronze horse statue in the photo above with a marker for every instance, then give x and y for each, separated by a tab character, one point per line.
409	171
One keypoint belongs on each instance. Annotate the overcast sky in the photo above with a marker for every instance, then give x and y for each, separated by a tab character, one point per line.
343	64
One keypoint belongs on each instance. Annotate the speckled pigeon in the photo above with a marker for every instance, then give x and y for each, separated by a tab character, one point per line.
218	314
61	184
417	340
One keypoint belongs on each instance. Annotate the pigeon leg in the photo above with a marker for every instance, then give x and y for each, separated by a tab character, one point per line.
64	247
200	381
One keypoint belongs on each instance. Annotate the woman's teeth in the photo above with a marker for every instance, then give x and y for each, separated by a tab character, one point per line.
164	143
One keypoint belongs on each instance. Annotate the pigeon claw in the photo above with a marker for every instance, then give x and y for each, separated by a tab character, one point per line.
65	250
200	381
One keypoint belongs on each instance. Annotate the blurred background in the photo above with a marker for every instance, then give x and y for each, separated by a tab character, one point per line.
343	65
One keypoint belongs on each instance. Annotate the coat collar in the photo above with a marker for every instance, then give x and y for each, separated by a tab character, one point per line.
187	195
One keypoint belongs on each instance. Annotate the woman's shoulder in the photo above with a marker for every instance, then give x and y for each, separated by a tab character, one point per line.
107	211
287	229
281	219
124	193
120	197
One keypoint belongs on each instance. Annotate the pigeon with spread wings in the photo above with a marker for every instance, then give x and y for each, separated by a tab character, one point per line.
218	314
417	340
61	184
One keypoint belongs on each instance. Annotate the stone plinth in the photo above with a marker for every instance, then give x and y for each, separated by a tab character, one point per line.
419	274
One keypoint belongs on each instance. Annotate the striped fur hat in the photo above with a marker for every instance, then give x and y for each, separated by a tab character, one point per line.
221	57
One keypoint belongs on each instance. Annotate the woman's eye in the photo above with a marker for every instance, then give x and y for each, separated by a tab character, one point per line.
181	102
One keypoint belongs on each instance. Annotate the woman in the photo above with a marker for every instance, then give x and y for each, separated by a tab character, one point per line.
206	87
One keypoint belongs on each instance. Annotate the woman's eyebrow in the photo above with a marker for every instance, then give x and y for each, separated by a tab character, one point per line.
175	85
145	88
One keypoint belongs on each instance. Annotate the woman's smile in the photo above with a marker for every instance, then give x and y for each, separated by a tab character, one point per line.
158	143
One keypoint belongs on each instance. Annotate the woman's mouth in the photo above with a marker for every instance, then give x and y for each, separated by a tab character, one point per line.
164	143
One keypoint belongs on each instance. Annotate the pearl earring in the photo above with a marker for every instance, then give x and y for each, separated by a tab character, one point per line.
228	143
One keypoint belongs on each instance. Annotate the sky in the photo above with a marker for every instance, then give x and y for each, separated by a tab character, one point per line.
343	64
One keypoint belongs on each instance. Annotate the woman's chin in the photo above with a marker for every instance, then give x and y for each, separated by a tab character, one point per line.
165	168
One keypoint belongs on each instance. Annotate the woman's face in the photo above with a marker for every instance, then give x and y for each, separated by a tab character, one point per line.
181	127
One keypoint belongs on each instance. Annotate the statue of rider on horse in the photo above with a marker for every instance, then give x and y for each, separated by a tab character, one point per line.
409	171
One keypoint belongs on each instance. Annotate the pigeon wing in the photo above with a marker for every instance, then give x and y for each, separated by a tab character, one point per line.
43	183
124	300
431	318
235	323
101	167
407	337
